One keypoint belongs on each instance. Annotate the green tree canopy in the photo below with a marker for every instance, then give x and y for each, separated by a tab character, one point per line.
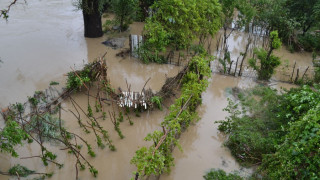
305	12
298	156
178	23
125	11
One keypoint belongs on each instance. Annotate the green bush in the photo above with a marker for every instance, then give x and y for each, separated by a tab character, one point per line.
298	156
11	135
158	101
268	61
170	26
77	79
310	42
279	131
296	103
250	125
218	174
125	11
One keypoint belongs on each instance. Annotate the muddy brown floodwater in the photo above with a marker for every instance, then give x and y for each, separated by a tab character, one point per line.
40	43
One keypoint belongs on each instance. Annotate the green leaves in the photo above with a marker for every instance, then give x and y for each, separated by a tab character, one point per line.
218	174
279	131
93	171
250	125
54	83
268	61
157	39
306	13
300	150
20	170
4	14
276	42
90	151
148	162
171	26
76	79
11	135
125	11
157	100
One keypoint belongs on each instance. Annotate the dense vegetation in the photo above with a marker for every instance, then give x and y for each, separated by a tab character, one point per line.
11	135
278	132
218	174
170	26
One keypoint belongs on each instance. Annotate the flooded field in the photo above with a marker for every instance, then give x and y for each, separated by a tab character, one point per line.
237	43
44	39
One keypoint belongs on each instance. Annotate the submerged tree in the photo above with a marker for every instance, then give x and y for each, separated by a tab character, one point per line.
268	61
176	24
125	11
92	10
228	10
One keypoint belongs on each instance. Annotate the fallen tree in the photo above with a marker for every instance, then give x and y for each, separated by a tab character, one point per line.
157	158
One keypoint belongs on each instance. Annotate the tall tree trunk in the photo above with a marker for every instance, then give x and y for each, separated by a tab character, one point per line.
92	21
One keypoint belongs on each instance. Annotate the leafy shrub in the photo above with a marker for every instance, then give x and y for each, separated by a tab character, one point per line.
157	39
147	55
218	174
267	64
125	11
296	103
279	131
310	42
157	100
77	79
298	156
249	126
268	61
170	26
11	135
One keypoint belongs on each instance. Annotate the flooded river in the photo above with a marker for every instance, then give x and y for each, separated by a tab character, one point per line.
43	39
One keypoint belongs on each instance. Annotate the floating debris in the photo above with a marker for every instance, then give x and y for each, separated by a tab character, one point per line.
132	99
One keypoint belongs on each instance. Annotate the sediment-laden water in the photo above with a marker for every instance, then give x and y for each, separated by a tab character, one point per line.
43	39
